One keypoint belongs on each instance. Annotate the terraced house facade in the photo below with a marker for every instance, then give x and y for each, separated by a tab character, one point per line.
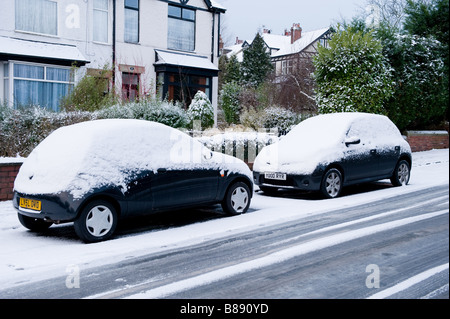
169	46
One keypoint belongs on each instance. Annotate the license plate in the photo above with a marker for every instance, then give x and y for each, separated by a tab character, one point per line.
277	176
30	204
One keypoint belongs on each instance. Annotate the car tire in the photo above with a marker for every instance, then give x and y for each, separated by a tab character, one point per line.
401	173
237	199
331	186
34	224
97	221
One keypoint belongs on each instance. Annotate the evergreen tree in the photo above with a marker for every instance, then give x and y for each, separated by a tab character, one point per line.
256	63
352	74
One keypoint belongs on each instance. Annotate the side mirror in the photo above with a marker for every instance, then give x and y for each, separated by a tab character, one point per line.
352	140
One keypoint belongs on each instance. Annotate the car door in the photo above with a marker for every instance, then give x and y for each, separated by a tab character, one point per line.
177	188
360	155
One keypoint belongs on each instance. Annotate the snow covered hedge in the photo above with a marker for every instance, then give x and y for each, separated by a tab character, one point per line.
21	130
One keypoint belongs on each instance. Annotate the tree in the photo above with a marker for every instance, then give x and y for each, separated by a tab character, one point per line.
256	63
229	101
421	93
352	74
201	109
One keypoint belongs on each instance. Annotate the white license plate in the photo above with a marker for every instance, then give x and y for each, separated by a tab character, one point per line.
277	176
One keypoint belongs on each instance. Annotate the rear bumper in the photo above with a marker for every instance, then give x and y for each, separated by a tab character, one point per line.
53	207
300	182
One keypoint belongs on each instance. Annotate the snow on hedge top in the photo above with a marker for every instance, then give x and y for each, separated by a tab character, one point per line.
321	140
80	157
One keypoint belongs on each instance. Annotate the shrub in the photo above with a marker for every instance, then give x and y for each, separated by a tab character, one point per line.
150	110
229	100
90	94
201	109
273	117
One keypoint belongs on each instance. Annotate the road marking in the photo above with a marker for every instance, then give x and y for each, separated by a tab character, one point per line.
273	258
409	282
358	221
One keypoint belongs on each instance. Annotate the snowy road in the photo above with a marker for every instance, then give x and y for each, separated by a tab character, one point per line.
290	246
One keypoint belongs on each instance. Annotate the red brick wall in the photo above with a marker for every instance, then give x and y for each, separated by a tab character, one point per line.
8	172
427	140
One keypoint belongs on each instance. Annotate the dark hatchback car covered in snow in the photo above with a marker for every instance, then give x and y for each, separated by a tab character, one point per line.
327	152
95	173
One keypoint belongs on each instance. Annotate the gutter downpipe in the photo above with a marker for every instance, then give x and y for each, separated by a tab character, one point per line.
114	46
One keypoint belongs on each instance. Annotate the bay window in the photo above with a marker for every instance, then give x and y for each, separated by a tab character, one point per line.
36	84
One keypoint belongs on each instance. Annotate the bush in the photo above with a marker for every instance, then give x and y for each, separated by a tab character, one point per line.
201	109
150	110
273	117
23	129
229	100
90	94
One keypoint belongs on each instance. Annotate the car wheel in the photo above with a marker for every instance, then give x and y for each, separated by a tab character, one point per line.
401	173
237	199
97	221
331	183
34	224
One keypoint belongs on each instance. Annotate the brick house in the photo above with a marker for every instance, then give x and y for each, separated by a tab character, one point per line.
167	45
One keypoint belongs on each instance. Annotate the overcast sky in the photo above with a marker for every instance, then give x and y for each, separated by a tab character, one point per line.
245	17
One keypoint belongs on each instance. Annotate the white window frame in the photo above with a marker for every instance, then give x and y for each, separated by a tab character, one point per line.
9	96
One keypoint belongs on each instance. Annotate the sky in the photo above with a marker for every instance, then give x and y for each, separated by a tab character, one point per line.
244	18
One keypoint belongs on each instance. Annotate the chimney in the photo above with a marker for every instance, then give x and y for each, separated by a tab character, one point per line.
296	32
239	41
287	33
266	31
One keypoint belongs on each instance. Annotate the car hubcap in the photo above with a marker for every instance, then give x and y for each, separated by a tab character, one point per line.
99	220
333	184
403	174
239	199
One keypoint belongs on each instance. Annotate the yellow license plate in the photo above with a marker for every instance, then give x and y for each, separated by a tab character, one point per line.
30	203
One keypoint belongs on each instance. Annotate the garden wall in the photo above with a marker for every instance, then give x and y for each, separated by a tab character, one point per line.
427	140
8	172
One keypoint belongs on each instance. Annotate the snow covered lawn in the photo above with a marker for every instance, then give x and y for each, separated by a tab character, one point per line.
28	257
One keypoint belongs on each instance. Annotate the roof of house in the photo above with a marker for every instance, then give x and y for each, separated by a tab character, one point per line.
301	44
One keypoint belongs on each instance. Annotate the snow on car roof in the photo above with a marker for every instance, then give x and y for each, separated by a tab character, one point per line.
83	156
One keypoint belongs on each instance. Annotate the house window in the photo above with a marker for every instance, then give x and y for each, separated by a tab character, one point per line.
287	66
130	86
181	33
37	84
100	21
39	16
132	21
182	87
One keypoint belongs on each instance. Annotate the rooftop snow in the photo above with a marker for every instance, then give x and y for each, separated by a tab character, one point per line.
186	60
19	47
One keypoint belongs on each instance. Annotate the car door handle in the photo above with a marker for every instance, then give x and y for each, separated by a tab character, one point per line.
162	170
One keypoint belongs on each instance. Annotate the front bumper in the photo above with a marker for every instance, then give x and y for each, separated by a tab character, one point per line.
56	208
300	182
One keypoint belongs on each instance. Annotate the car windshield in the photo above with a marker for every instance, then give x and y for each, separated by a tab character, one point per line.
318	132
